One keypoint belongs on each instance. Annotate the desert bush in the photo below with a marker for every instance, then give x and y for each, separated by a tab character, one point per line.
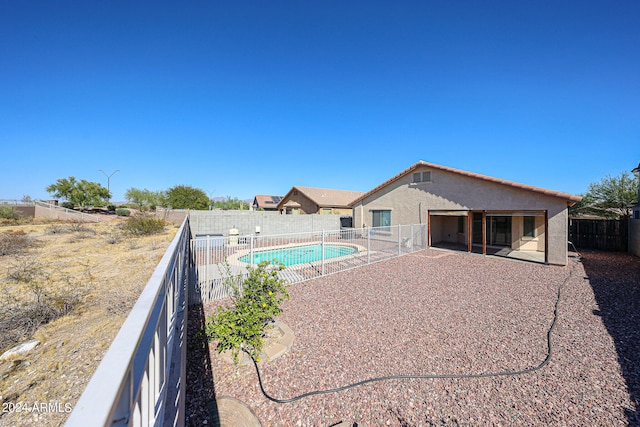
79	227
255	303
111	208
144	225
13	243
67	205
9	212
123	212
38	302
113	237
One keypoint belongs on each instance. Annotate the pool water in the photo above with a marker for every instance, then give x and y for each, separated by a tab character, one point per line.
300	254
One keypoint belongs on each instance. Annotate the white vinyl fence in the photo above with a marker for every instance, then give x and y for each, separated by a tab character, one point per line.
141	381
305	255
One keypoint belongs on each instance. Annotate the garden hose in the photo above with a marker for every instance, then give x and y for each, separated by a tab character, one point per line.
542	364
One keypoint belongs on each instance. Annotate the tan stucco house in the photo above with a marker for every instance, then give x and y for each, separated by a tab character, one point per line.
309	200
472	212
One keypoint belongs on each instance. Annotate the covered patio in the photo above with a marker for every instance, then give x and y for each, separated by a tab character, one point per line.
512	234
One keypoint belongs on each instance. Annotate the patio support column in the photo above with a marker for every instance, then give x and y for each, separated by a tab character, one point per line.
428	229
546	236
484	232
469	229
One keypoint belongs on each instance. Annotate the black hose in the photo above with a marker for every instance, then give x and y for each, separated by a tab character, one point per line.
544	363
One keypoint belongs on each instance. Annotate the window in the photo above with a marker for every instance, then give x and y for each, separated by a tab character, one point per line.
636	214
529	226
422	177
461	224
382	219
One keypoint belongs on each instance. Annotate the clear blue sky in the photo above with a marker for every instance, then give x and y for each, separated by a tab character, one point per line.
253	97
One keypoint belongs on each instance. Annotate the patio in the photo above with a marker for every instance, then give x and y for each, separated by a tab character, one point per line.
441	312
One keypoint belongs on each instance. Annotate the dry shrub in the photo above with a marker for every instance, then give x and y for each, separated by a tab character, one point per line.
15	243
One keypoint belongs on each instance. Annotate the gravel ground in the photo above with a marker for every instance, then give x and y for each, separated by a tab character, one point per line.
437	312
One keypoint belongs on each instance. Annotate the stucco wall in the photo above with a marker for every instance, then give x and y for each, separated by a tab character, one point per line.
306	205
410	202
220	222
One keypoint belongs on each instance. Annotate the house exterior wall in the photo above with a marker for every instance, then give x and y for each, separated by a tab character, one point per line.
409	203
307	206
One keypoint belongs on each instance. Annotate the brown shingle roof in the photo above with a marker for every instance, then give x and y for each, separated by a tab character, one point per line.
566	196
265	201
325	197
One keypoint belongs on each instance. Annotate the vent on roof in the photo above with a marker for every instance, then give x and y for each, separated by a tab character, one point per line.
422	177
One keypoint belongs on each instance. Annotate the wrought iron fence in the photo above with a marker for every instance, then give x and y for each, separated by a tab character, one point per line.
141	379
304	255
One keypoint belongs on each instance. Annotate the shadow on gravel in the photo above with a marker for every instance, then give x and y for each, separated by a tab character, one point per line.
200	399
615	280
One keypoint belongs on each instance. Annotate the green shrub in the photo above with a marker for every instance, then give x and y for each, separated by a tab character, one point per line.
9	212
111	208
67	205
144	225
255	303
123	212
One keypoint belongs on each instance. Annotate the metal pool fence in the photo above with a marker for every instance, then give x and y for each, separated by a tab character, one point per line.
216	258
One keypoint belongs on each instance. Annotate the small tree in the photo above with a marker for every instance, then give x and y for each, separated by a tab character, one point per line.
231	203
144	199
612	197
81	193
187	197
255	303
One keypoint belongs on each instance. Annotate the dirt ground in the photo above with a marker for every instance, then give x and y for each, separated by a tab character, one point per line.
98	272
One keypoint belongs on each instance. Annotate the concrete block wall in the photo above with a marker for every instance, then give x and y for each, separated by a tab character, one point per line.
220	222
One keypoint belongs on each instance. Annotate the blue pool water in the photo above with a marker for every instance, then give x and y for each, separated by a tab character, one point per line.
300	254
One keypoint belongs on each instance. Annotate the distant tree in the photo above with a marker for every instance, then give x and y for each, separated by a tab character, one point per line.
144	199
26	198
186	197
612	197
81	193
230	204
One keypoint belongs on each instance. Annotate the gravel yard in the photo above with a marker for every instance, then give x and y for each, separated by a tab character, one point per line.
436	312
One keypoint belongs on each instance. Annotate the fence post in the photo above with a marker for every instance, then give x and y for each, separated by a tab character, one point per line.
368	245
411	238
322	249
251	251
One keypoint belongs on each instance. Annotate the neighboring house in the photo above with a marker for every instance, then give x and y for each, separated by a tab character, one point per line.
308	200
472	212
267	203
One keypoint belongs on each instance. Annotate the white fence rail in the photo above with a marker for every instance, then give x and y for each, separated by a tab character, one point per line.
305	255
58	212
141	380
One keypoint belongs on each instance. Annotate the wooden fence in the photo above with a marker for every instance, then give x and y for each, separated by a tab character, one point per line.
601	234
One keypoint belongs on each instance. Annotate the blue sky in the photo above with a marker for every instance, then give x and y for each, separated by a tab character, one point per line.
253	97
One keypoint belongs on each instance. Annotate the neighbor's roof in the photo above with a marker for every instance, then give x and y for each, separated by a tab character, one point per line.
325	197
264	201
566	196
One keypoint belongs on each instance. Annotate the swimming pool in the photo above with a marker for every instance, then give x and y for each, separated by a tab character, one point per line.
300	254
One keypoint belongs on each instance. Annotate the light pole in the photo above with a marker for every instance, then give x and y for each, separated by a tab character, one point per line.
109	180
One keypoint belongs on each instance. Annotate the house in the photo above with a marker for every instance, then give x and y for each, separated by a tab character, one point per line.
308	200
266	203
472	212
